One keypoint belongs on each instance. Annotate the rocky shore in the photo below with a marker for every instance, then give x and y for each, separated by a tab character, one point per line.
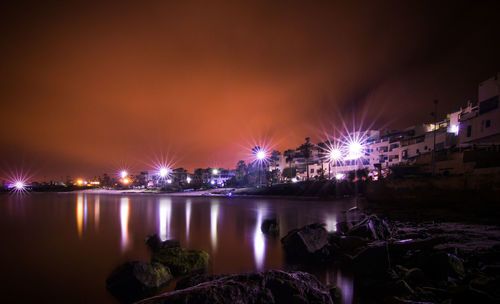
392	262
401	262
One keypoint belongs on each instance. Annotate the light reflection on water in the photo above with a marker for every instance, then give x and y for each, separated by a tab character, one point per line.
165	215
110	229
331	222
188	218
97	210
124	216
259	245
79	214
214	217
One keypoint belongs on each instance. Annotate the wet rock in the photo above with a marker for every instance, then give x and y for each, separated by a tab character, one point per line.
442	265
372	228
351	243
196	279
472	295
270	227
272	286
137	280
415	276
402	288
373	260
344	226
335	293
307	242
182	261
155	243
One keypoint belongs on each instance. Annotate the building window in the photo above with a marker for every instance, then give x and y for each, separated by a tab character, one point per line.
488	123
418	151
425	148
469	131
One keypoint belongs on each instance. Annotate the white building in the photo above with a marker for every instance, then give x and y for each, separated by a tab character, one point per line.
481	126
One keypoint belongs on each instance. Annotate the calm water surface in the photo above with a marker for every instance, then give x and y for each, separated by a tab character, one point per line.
60	247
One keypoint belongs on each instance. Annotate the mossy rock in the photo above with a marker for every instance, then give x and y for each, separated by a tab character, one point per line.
182	261
136	280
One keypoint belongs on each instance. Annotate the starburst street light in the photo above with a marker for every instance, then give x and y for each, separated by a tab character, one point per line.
335	155
163	172
215	171
123	173
18	186
260	155
355	150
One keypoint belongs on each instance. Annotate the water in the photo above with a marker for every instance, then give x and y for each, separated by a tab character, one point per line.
60	247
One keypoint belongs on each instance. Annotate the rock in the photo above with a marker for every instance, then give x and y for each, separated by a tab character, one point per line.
372	228
306	242
472	295
196	279
270	227
182	261
442	265
351	243
272	286
335	293
415	276
343	226
372	261
155	243
401	288
137	280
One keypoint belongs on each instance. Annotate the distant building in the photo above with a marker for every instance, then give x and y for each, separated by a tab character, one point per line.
481	126
213	176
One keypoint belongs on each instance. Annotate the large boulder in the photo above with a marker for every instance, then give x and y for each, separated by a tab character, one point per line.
270	227
271	287
372	260
133	281
182	261
441	265
310	241
372	228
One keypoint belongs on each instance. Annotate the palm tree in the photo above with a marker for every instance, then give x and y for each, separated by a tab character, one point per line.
306	149
289	159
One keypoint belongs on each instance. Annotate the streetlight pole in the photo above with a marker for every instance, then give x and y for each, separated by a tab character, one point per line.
434	145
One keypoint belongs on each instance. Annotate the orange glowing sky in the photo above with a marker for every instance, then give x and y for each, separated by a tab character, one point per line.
87	88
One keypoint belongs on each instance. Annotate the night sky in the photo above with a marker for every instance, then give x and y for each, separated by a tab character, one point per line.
87	88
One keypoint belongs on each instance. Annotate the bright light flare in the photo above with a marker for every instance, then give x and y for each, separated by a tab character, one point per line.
355	145
163	172
126	181
355	150
339	176
20	185
261	155
79	182
188	180
123	173
17	181
215	171
335	155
